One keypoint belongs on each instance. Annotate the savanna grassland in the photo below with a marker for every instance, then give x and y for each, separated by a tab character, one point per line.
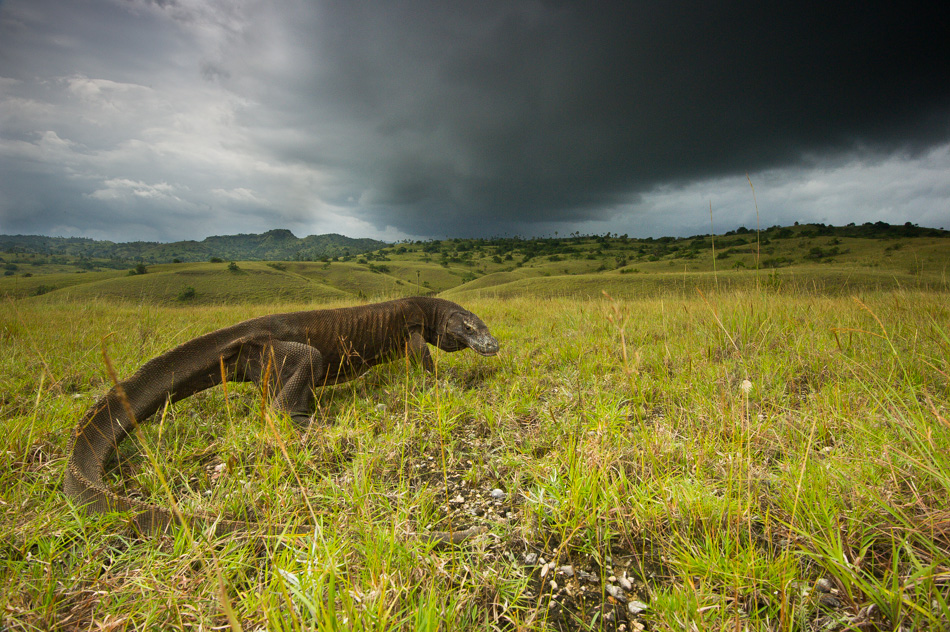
706	445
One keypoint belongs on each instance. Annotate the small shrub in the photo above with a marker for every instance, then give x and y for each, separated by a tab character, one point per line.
187	294
233	267
776	262
215	260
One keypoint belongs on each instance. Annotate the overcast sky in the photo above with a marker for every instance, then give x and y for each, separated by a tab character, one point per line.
179	119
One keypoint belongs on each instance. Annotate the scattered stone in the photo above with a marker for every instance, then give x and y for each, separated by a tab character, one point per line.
825	585
567	570
587	577
530	559
616	592
625	583
552	584
497	494
636	607
380	407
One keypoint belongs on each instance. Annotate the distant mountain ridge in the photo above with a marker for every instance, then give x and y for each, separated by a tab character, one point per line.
274	245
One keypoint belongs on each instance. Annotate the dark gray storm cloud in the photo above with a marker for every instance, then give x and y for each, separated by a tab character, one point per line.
545	112
459	118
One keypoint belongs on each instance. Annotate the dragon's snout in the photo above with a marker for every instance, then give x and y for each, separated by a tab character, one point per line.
486	345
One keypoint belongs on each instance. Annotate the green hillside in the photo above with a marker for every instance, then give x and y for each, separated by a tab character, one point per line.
811	258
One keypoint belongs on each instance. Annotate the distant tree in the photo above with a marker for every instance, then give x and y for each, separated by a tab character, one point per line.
215	260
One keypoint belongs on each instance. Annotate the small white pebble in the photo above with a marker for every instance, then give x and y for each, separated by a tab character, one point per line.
552	584
567	570
636	607
625	583
497	494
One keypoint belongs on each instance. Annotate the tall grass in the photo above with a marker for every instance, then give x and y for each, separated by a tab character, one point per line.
744	459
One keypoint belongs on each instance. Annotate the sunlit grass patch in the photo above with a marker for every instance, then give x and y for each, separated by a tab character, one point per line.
746	459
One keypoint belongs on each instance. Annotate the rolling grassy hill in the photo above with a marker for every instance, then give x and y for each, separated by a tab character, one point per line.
809	258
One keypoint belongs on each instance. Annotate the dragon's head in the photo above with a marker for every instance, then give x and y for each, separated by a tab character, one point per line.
463	329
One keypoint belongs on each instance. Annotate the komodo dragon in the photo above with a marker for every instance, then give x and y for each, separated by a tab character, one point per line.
296	353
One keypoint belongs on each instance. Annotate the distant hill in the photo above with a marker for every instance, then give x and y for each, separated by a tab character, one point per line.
274	245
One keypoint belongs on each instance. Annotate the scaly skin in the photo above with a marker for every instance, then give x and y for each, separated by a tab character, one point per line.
297	353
